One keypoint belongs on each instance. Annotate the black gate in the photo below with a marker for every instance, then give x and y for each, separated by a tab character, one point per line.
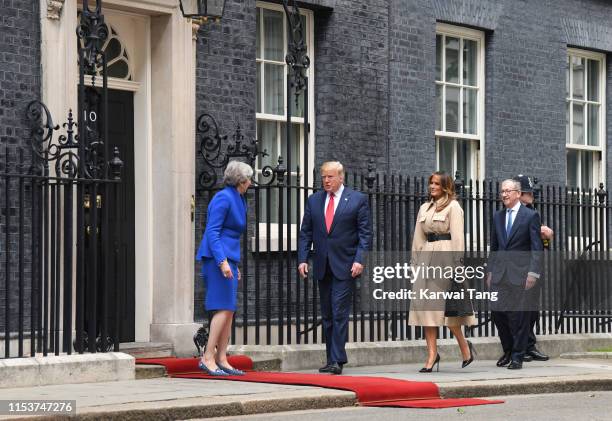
59	247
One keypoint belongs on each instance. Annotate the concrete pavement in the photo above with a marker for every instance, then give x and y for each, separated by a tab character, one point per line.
165	398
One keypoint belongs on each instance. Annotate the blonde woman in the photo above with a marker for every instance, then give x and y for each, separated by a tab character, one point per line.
438	242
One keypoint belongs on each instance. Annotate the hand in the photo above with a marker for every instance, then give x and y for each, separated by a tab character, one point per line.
226	270
530	283
489	276
303	269
239	275
356	269
546	233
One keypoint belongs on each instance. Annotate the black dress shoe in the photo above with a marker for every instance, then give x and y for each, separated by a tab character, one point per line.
515	365
537	355
324	369
504	360
335	368
527	358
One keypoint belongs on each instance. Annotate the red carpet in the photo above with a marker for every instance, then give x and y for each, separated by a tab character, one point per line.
370	391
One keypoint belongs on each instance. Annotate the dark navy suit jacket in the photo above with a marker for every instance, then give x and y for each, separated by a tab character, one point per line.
515	255
225	224
348	239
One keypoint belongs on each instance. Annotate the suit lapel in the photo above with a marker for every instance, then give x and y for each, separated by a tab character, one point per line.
515	223
344	199
501	228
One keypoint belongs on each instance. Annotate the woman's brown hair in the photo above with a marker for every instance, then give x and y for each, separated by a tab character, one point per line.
448	187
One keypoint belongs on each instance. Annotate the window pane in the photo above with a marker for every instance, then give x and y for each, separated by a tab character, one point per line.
274	89
578	77
296	133
119	69
452	109
469	111
572	168
439	89
268	141
593	126
464	162
445	155
273	35
567	77
586	169
258	98
258	34
439	49
292	179
578	129
452	59
567	123
470	70
593	80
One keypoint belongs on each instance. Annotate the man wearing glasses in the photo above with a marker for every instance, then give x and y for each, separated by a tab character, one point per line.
514	269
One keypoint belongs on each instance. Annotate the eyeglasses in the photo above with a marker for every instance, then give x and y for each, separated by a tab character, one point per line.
507	191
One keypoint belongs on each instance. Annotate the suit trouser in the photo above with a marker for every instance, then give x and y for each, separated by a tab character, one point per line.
336	297
513	326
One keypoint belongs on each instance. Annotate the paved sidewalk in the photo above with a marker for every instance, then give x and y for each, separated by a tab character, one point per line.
166	398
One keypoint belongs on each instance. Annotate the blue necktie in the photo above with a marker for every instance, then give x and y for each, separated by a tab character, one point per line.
508	222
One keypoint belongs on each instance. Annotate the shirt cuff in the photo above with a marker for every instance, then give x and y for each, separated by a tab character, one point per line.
535	275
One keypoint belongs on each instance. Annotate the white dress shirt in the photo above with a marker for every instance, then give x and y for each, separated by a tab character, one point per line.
337	196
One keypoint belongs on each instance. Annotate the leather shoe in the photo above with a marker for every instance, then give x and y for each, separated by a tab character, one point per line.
324	369
527	358
504	360
335	368
515	365
537	355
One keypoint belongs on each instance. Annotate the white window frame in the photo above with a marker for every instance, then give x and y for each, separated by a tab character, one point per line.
477	159
261	116
599	170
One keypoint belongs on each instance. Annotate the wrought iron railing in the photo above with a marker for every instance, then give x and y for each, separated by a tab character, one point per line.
277	307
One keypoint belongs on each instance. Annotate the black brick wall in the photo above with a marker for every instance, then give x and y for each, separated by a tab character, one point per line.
19	84
374	85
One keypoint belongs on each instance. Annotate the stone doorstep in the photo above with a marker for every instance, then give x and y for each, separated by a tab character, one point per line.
311	356
260	363
147	349
65	369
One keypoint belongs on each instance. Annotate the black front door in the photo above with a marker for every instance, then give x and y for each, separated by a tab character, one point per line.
121	135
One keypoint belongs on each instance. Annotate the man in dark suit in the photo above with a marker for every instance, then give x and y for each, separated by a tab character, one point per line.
514	269
337	221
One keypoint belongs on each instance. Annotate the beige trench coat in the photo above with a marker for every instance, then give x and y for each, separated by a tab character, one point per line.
443	253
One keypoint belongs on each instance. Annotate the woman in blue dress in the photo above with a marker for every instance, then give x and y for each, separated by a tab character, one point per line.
220	255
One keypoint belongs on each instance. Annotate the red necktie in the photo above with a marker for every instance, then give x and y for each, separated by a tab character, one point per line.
329	212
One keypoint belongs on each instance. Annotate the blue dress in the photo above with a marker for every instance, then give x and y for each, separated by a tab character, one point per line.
221	240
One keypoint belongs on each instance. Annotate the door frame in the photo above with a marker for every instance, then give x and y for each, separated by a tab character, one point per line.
60	91
164	155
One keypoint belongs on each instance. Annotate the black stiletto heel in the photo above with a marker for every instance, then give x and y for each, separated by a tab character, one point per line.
472	353
436	363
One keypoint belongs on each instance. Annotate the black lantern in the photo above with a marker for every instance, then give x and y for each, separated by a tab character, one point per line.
202	9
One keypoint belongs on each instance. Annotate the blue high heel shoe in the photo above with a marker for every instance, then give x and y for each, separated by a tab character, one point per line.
231	371
217	372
